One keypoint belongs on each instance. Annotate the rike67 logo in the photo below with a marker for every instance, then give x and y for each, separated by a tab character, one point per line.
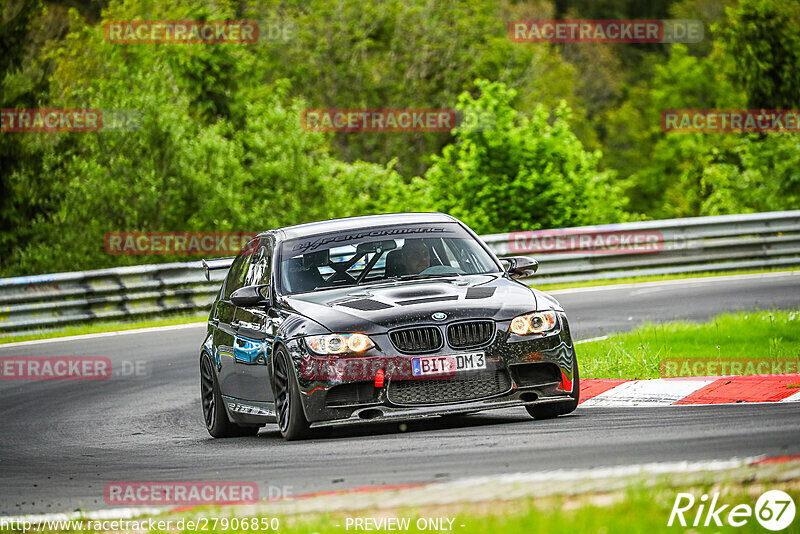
774	510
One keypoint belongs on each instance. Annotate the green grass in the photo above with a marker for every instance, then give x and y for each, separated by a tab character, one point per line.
633	503
637	354
651	278
109	326
635	510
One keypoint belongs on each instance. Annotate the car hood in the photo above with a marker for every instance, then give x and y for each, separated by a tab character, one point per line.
378	308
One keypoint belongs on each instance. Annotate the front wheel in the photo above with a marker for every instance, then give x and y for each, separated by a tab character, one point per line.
214	415
551	410
291	419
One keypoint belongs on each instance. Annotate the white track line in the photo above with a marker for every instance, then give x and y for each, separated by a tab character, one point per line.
108	513
654	468
103	334
589	340
459	490
792	398
682	281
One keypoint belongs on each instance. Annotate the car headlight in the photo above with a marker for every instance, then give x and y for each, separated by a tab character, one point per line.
339	343
534	323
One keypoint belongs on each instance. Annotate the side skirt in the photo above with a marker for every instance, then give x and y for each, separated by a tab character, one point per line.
245	412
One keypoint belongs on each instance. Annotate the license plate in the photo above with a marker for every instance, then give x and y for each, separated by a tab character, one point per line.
437	365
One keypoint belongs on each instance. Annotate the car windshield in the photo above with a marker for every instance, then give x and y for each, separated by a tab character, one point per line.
373	255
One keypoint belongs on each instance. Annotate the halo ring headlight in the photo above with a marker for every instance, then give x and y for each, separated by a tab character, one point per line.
520	325
534	323
337	344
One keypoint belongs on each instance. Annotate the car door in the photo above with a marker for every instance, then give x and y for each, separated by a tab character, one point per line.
225	334
255	331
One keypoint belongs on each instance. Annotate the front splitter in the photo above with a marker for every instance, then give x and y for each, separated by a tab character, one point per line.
383	414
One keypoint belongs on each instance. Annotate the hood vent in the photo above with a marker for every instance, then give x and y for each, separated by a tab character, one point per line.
408	293
365	305
480	292
427	300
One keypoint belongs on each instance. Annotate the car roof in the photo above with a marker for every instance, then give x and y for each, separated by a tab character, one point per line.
359	223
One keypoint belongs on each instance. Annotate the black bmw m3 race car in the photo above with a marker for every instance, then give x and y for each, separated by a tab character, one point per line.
379	318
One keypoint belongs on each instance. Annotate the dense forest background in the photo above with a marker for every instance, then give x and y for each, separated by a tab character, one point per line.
576	137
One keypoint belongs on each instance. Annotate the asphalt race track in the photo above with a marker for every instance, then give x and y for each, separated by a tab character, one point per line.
62	441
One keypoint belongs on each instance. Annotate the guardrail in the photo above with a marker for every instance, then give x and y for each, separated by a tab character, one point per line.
698	244
38	303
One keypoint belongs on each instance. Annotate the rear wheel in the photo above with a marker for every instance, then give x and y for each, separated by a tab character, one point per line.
291	419
554	409
214	414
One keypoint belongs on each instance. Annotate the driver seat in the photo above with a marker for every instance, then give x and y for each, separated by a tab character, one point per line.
394	263
302	280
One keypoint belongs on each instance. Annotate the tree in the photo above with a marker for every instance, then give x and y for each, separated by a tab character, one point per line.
696	174
228	154
16	21
764	39
522	174
651	160
405	54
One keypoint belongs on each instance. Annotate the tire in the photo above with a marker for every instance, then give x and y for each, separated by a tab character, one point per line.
288	409
551	410
214	414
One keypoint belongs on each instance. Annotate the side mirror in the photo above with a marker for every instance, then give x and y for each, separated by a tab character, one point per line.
521	266
249	296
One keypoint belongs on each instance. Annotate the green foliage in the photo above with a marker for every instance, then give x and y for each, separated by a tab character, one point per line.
687	174
400	54
638	354
16	23
523	172
221	146
203	158
764	40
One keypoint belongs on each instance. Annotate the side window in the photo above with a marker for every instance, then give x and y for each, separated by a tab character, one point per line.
261	266
238	270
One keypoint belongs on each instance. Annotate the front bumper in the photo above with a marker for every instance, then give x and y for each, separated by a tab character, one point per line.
527	370
383	414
